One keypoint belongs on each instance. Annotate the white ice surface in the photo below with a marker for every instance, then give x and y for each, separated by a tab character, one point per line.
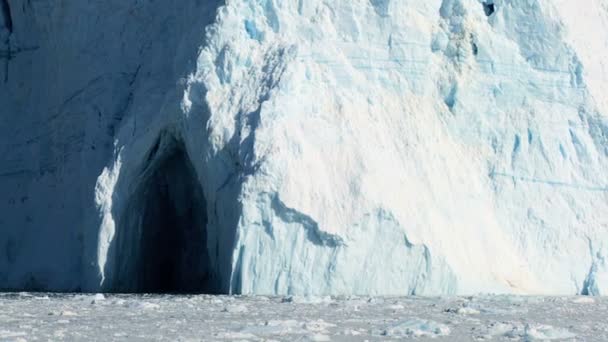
345	147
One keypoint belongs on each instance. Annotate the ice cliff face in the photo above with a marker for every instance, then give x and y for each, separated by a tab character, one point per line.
305	147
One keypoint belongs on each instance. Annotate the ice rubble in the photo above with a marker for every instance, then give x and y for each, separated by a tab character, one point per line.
352	147
416	328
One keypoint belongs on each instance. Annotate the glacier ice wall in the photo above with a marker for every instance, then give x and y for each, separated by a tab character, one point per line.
345	147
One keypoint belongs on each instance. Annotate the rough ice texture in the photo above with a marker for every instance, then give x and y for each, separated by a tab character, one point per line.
343	147
120	317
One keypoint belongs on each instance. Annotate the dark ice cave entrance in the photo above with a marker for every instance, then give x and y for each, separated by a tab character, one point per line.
488	7
161	240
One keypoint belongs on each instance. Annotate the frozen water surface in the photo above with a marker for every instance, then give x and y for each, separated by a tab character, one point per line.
38	316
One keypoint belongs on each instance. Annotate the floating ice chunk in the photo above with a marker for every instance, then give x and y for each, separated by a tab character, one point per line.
307	299
277	327
467	311
417	327
7	334
528	332
97	298
546	332
464	310
144	305
352	332
318	326
216	301
228	335
118	302
375	300
396	307
583	300
235	308
319	337
498	329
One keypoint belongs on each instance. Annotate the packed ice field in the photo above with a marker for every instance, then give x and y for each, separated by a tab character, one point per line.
77	317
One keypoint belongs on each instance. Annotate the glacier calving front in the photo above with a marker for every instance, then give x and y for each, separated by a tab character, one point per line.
343	147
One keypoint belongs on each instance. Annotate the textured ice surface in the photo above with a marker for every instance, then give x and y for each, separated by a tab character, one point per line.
416	328
343	147
27	317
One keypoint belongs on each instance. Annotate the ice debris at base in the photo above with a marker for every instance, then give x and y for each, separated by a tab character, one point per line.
416	328
526	332
307	299
305	147
583	300
236	309
195	318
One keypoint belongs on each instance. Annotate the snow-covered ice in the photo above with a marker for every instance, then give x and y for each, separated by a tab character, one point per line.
205	318
360	147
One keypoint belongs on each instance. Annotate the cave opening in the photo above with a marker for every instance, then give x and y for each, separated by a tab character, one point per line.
161	240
